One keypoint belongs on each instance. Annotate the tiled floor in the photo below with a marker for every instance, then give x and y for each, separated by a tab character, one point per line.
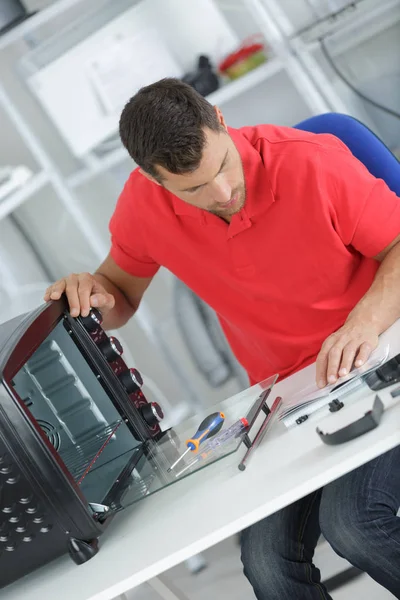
223	579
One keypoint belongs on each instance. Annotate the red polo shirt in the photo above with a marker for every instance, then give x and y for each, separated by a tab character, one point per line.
288	269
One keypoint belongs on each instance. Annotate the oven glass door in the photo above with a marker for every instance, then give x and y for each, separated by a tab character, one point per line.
74	411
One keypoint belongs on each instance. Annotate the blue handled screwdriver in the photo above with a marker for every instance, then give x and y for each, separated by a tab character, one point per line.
215	446
210	426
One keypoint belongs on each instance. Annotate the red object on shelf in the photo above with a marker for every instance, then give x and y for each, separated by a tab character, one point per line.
248	48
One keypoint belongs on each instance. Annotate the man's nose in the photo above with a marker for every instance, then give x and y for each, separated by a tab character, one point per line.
222	191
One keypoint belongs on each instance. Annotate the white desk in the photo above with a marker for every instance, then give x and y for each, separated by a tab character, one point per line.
212	505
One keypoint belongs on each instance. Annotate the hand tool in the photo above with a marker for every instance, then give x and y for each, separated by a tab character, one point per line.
217	442
210	426
232	432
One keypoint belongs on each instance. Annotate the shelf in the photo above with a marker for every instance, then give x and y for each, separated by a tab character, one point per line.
368	25
231	90
224	94
36	20
330	22
98	165
353	25
19	196
91	19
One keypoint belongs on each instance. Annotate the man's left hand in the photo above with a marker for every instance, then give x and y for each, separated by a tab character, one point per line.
349	346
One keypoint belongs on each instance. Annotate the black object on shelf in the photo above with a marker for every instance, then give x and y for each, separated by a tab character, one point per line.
204	80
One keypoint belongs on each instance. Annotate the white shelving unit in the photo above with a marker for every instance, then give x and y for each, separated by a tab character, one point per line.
23	193
361	20
44	16
233	89
344	32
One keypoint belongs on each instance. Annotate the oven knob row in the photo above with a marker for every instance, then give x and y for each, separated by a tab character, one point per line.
132	380
93	320
111	348
152	413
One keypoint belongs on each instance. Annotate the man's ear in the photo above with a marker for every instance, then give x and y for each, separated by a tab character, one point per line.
149	177
220	117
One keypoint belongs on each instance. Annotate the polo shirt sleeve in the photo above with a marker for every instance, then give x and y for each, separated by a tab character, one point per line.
132	261
128	246
364	211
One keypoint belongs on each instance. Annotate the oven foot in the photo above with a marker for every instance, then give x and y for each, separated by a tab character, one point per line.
81	551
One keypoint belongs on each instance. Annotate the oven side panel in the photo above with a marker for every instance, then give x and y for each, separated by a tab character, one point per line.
38	514
30	535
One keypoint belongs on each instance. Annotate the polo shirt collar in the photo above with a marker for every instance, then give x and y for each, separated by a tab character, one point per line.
259	195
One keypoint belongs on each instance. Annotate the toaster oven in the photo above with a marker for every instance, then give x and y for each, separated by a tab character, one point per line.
75	429
78	439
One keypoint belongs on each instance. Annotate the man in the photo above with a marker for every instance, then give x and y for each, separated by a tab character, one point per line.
296	246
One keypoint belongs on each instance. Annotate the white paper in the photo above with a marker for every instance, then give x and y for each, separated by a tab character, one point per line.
128	63
312	398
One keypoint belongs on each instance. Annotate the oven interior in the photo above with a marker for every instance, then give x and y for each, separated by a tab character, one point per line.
77	416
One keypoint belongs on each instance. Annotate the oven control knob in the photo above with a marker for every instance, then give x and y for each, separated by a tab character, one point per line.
152	413
93	320
111	348
132	380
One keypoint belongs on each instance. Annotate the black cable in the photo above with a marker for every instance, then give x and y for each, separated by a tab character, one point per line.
332	63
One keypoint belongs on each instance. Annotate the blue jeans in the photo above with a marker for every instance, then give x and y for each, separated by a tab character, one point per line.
357	516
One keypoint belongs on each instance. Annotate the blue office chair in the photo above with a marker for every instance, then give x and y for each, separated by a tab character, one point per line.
362	142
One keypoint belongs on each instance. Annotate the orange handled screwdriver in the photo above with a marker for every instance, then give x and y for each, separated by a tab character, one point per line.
210	426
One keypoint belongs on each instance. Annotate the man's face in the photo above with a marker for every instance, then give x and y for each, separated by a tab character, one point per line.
218	184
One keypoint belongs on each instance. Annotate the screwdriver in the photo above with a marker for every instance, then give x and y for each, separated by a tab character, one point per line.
210	426
225	436
216	444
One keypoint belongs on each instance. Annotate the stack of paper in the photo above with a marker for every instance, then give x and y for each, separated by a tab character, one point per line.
303	403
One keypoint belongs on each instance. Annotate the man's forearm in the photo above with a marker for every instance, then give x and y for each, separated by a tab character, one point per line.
122	311
377	310
381	304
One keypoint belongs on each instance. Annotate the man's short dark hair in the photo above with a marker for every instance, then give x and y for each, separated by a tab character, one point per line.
164	124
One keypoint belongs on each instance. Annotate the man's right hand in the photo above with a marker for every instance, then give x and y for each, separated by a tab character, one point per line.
83	291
